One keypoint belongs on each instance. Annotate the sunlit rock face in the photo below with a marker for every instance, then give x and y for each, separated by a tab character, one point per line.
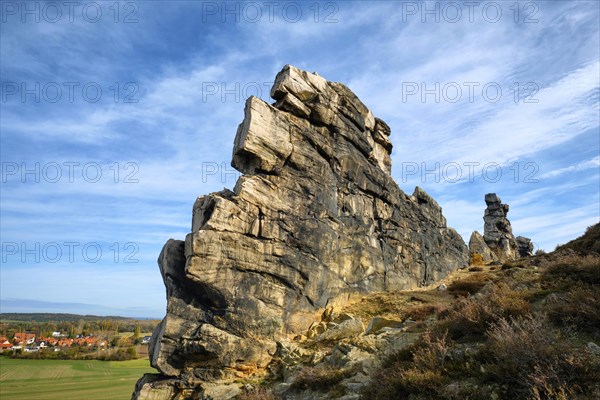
314	220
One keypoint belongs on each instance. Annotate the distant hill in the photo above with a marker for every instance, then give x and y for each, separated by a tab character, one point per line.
47	317
586	244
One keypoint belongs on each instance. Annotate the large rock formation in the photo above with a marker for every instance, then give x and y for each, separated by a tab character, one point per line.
315	219
498	242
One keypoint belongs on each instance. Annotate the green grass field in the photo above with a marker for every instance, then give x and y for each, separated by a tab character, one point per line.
69	379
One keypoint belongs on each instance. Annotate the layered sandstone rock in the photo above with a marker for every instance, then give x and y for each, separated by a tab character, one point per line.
498	242
315	219
497	231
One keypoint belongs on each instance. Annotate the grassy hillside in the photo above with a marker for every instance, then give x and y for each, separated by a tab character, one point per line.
69	380
528	329
586	244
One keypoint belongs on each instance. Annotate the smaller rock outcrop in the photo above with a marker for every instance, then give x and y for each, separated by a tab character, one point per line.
498	242
524	246
479	252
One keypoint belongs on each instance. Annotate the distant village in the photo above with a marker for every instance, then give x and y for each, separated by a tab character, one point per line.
28	342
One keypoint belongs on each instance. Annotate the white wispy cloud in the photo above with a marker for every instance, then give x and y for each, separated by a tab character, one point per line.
582	166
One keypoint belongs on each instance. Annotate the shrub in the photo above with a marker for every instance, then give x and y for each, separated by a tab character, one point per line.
258	394
508	303
414	371
132	352
422	311
431	354
511	265
119	355
476	259
402	357
469	285
475	268
531	361
467	317
319	378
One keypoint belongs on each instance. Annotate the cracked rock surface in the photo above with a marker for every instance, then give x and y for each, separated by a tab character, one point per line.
314	220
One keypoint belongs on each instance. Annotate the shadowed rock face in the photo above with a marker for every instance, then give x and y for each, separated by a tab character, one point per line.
315	219
525	246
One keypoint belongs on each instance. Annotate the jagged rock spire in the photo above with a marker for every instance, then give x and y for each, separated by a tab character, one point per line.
498	241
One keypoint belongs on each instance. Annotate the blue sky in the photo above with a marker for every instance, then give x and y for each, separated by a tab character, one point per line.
115	118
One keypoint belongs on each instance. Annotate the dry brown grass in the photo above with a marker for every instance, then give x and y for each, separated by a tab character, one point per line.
421	312
417	305
514	352
512	264
589	243
388	305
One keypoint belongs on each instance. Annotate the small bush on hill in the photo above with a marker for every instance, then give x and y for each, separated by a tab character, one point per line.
417	371
423	311
468	286
476	259
320	379
258	394
120	355
475	268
